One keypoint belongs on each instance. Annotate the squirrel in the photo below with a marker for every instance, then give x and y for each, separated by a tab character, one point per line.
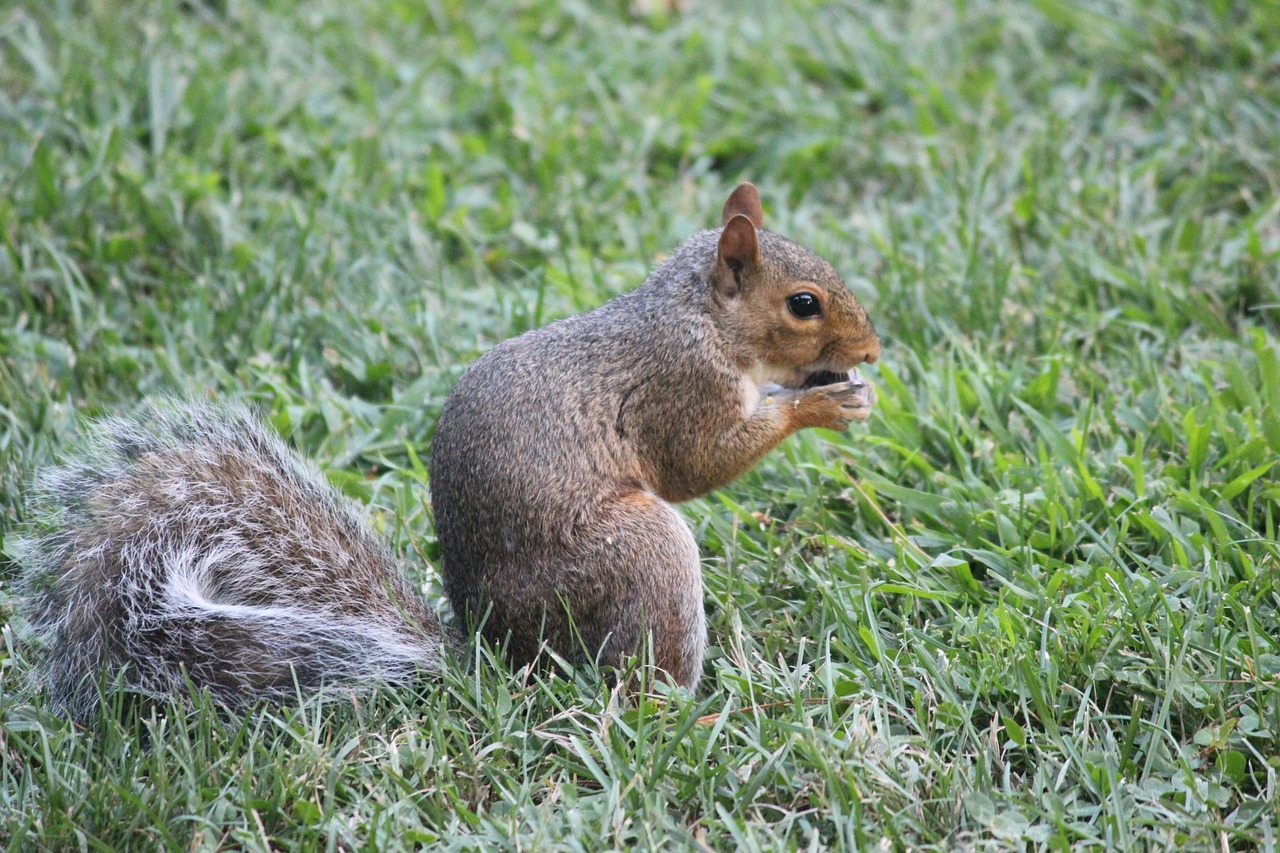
189	546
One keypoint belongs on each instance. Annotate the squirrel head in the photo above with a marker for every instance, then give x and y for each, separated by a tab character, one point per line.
788	315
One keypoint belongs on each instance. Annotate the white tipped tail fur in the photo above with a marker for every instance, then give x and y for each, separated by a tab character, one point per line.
188	545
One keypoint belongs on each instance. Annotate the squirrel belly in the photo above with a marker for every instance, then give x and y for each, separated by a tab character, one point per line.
189	545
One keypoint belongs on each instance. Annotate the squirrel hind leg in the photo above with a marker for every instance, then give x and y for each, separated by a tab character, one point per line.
654	595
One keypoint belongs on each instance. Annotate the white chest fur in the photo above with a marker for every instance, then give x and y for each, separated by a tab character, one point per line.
760	383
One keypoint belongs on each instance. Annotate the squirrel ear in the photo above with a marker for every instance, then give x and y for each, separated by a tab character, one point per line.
739	251
743	201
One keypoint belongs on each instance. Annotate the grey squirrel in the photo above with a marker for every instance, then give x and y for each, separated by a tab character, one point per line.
188	545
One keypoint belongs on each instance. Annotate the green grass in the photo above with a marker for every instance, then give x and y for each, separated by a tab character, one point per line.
1032	606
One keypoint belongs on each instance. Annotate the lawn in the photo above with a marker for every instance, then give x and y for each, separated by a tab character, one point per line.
1031	605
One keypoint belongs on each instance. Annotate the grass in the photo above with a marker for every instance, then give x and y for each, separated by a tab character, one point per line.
1032	606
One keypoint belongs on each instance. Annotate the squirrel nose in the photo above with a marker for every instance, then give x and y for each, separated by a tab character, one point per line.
870	354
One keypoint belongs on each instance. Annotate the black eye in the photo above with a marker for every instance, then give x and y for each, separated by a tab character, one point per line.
804	305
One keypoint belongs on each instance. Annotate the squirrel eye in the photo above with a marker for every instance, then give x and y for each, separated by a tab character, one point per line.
804	305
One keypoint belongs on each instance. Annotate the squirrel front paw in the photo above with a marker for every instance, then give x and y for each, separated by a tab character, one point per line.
842	403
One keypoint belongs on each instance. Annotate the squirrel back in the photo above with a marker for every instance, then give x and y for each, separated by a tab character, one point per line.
189	545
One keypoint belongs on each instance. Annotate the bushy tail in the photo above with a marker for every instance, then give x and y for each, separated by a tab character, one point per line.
189	545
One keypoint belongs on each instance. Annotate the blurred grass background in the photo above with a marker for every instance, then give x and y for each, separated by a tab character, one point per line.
1031	606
